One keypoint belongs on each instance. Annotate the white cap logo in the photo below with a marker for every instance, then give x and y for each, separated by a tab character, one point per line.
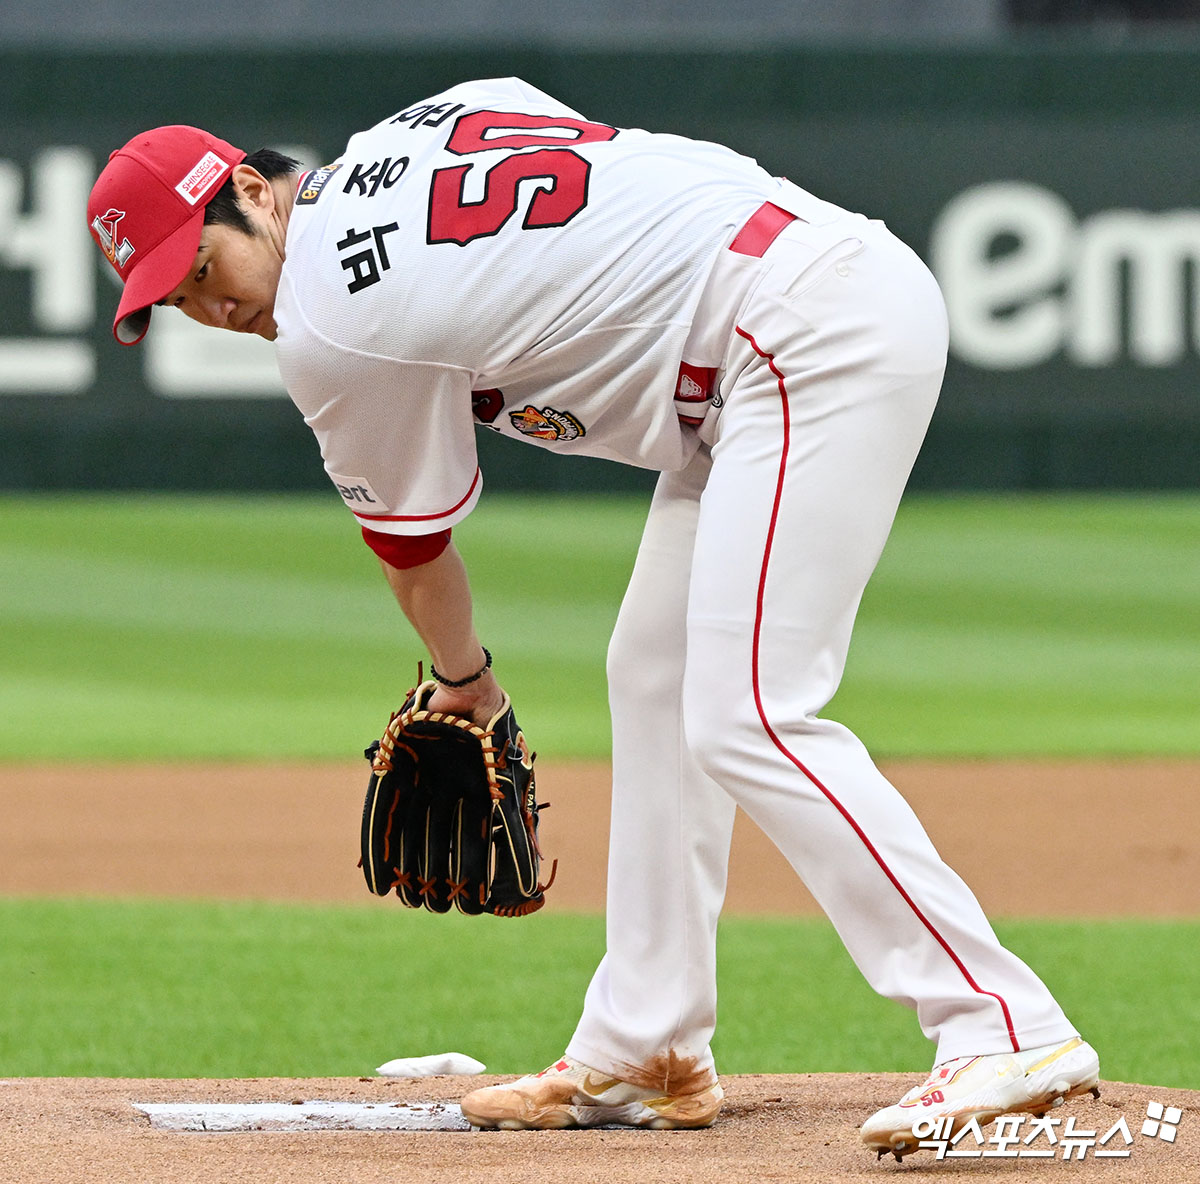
105	226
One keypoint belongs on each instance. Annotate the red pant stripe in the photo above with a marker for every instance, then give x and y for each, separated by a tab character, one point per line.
833	801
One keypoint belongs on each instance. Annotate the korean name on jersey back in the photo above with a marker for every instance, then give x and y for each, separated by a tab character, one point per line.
426	113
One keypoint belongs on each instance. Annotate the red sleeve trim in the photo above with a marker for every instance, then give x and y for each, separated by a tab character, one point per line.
423	517
406	550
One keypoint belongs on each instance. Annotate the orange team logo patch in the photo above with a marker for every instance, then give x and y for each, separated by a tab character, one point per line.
547	424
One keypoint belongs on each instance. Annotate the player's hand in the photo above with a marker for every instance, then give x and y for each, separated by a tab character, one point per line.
479	701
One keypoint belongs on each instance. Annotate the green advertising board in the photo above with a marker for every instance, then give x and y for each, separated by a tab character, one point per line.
1053	191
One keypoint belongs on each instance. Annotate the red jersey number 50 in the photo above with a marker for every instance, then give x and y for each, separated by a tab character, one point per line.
453	220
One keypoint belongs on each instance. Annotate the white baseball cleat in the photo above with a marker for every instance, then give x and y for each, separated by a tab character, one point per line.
569	1093
983	1088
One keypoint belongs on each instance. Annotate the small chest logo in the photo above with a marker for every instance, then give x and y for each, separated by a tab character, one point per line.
105	226
547	424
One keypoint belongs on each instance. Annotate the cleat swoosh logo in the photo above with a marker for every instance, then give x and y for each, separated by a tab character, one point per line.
598	1085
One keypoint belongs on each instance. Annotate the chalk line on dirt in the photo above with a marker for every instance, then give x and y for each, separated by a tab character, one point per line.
228	1117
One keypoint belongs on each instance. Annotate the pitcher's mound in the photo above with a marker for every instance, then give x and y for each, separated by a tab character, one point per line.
773	1128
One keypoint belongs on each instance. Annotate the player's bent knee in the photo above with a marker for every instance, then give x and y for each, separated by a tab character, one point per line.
718	736
720	731
639	671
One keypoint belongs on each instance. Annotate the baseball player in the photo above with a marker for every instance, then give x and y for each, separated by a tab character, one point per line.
490	258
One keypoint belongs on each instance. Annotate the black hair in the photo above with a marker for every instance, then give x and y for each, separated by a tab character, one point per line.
224	208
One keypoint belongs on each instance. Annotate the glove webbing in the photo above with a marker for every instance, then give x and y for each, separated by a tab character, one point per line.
381	762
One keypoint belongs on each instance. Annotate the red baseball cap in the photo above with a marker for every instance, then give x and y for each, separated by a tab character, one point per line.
146	212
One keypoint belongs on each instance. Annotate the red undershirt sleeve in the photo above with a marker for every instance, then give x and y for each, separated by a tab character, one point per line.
406	550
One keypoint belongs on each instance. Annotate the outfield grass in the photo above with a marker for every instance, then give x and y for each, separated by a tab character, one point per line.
158	627
172	989
143	627
1032	625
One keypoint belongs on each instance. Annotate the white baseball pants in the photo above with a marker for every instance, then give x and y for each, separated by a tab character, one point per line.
733	636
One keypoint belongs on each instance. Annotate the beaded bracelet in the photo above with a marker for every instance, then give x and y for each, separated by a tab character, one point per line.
462	682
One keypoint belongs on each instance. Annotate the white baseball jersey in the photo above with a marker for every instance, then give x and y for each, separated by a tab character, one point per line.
490	256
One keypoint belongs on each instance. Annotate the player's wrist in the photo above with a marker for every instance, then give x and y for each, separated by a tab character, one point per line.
454	681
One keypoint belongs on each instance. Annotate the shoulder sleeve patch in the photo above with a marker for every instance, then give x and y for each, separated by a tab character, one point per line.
312	184
358	495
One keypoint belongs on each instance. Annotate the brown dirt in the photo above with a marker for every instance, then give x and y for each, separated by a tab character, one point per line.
793	1128
1095	839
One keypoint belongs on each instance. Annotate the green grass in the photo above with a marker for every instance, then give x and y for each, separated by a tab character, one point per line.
1026	625
215	627
173	989
151	626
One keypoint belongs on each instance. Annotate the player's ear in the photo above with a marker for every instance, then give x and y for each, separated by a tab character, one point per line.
253	189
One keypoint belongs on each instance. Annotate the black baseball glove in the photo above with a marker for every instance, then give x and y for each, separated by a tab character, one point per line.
451	815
